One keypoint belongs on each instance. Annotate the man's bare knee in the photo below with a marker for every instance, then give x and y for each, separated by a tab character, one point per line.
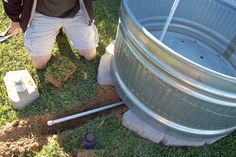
39	65
88	54
40	62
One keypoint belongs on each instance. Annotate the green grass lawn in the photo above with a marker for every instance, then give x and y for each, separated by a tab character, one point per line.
112	138
81	87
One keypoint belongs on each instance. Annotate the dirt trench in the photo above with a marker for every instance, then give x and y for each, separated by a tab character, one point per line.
31	134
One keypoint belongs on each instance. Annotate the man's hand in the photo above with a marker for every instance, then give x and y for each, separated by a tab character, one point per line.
15	28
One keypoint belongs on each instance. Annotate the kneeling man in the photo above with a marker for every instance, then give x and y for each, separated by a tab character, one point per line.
41	21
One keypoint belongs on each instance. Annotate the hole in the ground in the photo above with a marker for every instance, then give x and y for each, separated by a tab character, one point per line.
201	57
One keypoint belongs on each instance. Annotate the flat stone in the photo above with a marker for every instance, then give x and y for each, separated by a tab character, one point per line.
175	140
171	140
110	48
141	128
21	99
104	69
133	123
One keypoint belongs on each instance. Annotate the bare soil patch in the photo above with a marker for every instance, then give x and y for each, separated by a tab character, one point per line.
31	134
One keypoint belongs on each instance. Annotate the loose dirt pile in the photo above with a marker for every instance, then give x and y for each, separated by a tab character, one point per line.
31	134
17	139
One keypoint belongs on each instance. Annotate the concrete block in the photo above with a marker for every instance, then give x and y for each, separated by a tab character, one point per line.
141	128
133	123
110	48
171	140
104	69
22	98
175	140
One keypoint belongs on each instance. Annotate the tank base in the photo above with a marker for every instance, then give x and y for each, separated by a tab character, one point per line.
146	131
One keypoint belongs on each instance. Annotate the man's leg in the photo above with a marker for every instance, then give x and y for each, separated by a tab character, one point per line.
39	38
40	62
88	54
83	37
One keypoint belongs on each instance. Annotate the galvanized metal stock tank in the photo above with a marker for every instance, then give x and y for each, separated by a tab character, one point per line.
186	84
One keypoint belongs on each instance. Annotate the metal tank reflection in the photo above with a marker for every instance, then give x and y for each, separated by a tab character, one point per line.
186	83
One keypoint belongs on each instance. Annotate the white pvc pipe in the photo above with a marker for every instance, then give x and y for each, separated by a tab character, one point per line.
172	12
52	122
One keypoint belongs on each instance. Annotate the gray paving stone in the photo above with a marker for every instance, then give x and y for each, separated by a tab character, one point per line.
133	123
110	48
104	69
21	99
141	128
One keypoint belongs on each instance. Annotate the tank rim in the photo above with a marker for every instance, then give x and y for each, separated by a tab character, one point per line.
174	53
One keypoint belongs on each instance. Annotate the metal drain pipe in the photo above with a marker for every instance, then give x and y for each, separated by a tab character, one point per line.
52	122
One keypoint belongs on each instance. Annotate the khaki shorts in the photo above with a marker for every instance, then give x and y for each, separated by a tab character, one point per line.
41	35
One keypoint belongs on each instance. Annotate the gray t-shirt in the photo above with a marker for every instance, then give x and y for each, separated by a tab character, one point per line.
58	8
